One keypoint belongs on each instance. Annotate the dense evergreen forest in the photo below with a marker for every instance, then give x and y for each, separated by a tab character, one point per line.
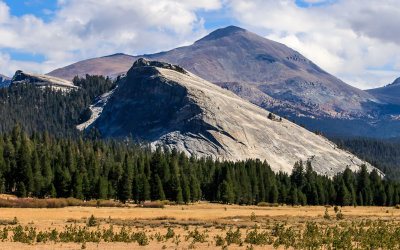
40	165
48	164
37	109
384	155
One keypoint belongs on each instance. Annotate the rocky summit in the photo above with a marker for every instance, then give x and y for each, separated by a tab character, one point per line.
42	80
169	106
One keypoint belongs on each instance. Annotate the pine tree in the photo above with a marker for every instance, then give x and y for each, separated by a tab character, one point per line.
125	188
102	187
77	187
343	195
274	194
293	196
159	194
21	190
226	192
185	190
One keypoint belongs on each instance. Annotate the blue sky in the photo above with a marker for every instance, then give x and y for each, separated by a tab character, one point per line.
357	42
39	8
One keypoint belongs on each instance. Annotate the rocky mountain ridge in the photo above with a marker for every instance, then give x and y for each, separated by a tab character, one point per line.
389	93
4	81
42	80
168	106
272	76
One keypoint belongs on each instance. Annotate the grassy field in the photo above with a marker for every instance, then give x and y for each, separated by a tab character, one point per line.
201	225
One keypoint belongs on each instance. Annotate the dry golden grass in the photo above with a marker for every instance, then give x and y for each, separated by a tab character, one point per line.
214	219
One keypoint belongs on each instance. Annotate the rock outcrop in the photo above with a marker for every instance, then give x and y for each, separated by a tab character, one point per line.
42	80
4	81
157	103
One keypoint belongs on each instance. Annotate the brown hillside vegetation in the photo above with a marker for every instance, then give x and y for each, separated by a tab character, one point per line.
202	225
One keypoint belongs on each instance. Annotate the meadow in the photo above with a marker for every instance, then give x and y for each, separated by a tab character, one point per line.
199	226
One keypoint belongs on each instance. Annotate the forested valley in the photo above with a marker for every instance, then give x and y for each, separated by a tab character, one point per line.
41	165
45	156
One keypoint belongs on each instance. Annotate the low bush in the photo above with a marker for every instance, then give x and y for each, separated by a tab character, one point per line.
153	204
56	203
267	204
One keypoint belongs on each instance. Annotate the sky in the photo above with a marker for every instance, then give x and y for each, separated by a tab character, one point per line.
357	41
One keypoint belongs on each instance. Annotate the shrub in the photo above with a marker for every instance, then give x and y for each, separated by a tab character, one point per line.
92	222
326	215
153	204
253	216
339	216
170	234
233	237
14	221
219	241
267	204
141	238
336	209
255	238
197	236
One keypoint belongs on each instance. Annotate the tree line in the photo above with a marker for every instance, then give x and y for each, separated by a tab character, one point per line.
383	154
58	112
39	165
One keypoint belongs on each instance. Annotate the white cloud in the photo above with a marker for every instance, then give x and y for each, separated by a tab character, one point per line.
89	28
351	39
346	37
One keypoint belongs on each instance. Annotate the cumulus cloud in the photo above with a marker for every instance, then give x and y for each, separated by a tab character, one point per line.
352	39
87	28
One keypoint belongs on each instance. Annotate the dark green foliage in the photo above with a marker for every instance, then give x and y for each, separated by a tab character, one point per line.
42	166
47	109
385	155
92	222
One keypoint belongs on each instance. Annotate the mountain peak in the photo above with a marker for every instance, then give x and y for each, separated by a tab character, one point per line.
142	62
395	82
116	54
222	32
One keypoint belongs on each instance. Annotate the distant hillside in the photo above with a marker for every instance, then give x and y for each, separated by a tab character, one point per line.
389	93
4	81
42	81
111	66
383	154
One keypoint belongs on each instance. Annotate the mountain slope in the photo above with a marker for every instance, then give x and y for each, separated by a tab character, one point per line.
111	66
235	56
274	77
167	105
389	93
4	81
42	80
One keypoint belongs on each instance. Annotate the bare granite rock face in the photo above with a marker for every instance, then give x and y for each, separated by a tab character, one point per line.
42	80
177	109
